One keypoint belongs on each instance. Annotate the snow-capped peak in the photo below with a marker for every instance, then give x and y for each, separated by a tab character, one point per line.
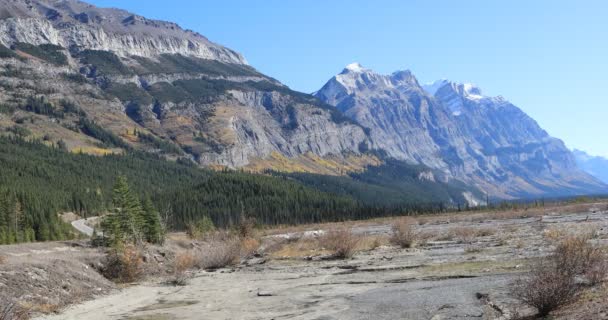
432	87
471	91
355	67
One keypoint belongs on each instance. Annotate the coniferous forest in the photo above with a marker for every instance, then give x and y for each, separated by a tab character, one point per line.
37	182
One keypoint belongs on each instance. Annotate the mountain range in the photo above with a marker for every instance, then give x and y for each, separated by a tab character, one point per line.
594	165
106	81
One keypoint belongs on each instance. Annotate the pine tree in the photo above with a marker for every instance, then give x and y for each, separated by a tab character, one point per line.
127	222
154	232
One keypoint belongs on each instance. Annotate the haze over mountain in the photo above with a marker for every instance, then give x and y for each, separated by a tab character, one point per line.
107	81
594	165
454	128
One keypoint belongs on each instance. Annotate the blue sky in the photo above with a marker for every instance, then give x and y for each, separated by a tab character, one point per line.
547	57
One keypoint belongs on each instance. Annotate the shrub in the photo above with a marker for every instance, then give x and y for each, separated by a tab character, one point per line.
123	265
577	257
200	228
404	233
10	310
182	263
545	288
552	282
341	242
246	227
219	254
463	234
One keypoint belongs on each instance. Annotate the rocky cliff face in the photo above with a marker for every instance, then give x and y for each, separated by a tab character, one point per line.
453	128
155	86
77	25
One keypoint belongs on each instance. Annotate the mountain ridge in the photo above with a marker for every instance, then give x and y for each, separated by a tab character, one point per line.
454	128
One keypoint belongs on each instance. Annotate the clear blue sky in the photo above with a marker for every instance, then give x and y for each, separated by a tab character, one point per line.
547	57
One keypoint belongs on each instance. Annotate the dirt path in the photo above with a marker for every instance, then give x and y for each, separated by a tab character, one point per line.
81	226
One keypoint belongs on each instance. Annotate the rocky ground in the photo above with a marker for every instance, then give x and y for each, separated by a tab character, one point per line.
462	270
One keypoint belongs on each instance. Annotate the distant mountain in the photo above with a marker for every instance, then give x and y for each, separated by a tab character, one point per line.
485	141
106	81
594	165
101	81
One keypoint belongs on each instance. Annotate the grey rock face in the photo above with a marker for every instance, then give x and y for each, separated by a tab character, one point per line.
453	128
233	122
75	24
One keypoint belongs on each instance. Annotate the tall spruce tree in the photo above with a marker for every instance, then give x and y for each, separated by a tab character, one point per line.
127	222
154	231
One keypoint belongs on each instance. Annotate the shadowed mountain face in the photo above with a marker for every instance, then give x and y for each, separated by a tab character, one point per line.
594	165
454	128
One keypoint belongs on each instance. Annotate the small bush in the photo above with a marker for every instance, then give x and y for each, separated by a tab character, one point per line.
404	233
10	310
341	242
219	254
545	288
2	259
200	228
123	265
463	234
552	282
182	263
246	227
576	256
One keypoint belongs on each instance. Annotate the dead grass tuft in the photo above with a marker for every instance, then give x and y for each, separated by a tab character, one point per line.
3	259
10	310
372	242
463	234
341	242
183	262
404	233
220	253
249	247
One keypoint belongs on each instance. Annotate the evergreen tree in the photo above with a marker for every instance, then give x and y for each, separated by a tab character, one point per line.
127	222
154	231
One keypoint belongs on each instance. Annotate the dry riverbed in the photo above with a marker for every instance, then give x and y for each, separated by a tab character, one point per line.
462	270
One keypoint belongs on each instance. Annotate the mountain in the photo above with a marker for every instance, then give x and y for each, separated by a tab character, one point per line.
105	81
594	165
453	128
159	88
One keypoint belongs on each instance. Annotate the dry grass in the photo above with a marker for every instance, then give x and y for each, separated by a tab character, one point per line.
249	247
183	262
463	234
219	254
3	259
372	242
295	248
404	233
341	242
123	265
10	310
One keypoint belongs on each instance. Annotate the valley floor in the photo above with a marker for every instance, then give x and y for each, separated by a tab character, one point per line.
463	271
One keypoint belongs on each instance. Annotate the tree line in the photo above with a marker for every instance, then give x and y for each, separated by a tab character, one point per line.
42	181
